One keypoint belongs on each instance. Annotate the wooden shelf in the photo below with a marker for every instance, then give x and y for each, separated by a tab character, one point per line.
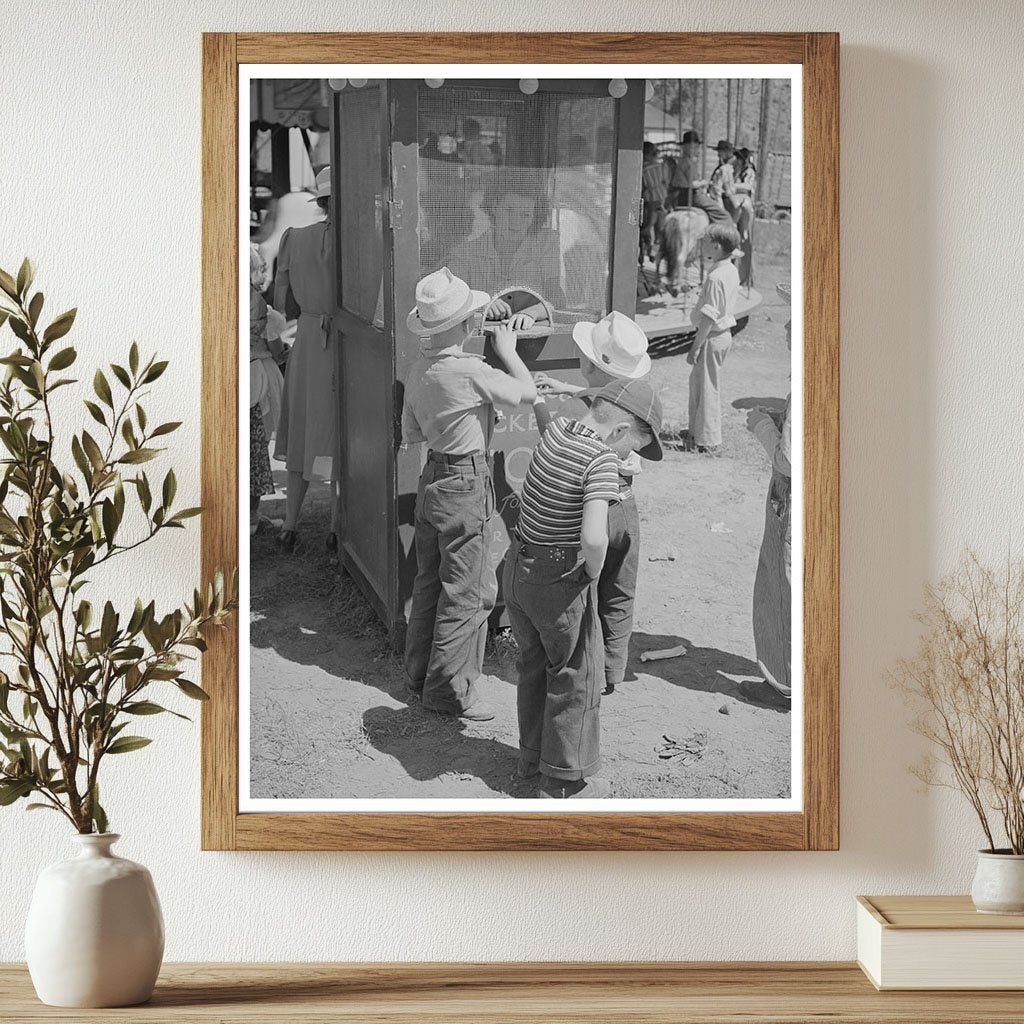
661	993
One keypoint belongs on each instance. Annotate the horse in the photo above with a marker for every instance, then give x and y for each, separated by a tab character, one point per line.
680	235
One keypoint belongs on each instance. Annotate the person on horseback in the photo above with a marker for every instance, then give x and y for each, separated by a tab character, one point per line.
688	189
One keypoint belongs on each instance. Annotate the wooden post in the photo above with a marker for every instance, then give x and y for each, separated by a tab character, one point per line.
679	105
762	139
739	113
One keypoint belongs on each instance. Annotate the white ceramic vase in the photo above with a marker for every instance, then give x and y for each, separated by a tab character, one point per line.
95	934
999	883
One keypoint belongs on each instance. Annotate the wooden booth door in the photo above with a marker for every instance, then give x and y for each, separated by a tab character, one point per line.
364	358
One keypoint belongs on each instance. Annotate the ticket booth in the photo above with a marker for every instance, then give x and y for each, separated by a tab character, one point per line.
529	192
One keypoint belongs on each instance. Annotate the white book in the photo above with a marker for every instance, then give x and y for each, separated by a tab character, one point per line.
938	942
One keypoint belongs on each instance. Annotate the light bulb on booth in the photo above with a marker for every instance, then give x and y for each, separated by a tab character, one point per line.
337	84
358	83
617	87
648	92
434	83
528	86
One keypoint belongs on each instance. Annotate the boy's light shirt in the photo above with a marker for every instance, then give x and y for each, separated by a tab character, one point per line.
718	297
451	397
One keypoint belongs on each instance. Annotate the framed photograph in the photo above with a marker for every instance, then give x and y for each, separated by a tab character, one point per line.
520	419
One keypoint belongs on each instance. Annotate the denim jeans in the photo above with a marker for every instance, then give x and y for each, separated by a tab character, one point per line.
552	606
616	589
455	587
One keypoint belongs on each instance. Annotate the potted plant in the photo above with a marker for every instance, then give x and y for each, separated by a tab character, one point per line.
83	671
967	680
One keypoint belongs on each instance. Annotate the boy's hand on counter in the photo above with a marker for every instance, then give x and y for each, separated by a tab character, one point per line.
499	309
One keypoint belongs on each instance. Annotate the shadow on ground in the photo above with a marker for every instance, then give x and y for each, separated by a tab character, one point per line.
773	404
703	669
430	746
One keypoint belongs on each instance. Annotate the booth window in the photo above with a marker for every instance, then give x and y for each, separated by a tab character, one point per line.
516	190
360	209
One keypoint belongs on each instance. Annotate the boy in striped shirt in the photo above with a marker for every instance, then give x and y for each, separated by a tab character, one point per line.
615	348
550	584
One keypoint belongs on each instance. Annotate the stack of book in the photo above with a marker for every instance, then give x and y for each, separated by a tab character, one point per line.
938	942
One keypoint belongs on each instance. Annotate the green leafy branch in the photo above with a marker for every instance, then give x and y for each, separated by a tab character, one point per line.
81	674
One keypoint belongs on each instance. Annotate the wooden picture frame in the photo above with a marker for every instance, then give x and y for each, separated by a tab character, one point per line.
816	827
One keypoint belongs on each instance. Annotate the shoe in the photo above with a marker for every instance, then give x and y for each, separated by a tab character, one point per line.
609	689
477	713
286	540
593	788
759	691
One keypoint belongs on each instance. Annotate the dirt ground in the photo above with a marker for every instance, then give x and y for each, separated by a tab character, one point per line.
330	716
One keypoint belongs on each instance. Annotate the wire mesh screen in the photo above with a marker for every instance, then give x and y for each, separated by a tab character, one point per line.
516	190
360	206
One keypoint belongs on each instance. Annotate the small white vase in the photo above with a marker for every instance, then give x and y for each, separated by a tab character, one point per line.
95	934
999	883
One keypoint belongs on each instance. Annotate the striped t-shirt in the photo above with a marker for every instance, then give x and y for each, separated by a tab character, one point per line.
570	467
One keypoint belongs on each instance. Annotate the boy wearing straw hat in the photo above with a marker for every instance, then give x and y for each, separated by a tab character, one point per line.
450	402
614	349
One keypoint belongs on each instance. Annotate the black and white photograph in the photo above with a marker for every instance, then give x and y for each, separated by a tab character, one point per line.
521	505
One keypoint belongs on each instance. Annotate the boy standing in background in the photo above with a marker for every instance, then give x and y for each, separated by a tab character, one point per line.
714	318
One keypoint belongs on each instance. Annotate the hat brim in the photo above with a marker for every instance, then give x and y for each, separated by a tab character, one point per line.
476	301
652	452
319	195
583	336
785	291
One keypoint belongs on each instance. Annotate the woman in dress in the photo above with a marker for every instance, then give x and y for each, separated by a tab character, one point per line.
305	286
265	383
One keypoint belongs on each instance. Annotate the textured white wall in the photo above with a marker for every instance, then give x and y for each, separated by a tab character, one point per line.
100	183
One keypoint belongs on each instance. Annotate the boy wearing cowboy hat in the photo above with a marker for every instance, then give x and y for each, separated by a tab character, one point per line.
550	582
614	349
450	401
